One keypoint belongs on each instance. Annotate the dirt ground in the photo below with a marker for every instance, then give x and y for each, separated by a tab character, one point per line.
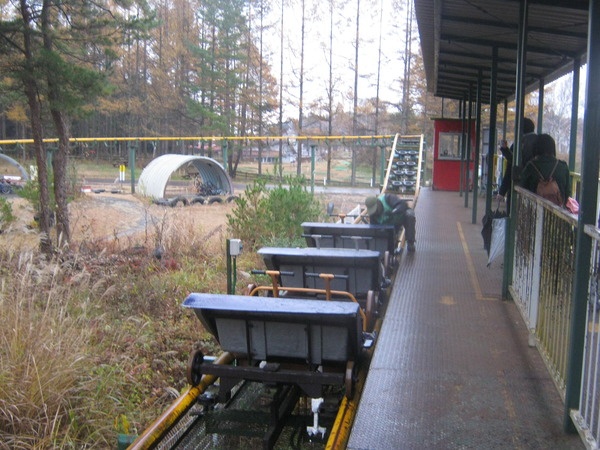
125	217
129	218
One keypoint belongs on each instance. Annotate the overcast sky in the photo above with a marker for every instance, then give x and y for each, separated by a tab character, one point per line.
316	69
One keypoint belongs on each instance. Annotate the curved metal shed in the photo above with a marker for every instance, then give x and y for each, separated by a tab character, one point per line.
155	176
21	169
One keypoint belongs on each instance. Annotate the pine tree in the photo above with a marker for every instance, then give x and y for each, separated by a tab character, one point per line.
53	48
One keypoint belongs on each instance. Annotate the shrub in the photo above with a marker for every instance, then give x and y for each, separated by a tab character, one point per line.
31	190
31	193
263	215
6	213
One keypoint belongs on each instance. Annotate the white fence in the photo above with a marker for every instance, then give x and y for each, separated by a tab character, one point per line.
543	277
542	287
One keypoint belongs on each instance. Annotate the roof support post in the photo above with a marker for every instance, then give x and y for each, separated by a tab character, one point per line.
469	133
509	248
540	118
463	145
505	119
587	216
492	131
574	113
477	145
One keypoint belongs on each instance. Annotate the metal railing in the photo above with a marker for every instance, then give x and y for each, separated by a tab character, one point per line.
543	283
543	273
587	417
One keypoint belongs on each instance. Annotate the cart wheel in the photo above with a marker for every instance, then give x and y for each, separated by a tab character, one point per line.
194	373
349	380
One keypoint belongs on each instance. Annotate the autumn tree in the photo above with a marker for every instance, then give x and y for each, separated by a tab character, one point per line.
256	99
281	52
52	48
301	86
355	95
266	94
325	106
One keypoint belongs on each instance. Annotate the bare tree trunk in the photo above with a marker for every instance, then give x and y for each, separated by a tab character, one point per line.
281	96
407	68
59	168
260	89
244	97
300	106
45	212
59	160
355	112
376	131
35	109
236	161
330	94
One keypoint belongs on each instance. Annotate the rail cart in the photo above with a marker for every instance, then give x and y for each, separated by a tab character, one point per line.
293	346
379	238
326	273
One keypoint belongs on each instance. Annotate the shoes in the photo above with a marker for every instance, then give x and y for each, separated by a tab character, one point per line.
410	247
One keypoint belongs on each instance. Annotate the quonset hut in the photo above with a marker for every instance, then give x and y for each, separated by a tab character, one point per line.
11	161
155	176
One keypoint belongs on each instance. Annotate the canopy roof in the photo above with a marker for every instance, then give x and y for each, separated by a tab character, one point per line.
155	176
458	38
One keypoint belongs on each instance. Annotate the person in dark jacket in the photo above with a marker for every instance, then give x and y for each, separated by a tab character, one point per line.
527	144
389	209
545	161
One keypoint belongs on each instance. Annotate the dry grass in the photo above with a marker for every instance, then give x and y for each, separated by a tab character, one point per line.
99	331
43	337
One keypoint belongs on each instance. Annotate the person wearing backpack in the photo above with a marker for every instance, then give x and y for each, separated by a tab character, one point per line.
546	175
527	143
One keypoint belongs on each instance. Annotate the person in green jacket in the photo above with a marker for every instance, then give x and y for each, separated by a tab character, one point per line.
546	164
389	209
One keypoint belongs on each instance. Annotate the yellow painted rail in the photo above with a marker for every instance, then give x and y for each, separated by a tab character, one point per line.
342	426
205	138
156	431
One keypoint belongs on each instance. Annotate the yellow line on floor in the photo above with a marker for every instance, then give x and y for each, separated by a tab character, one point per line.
471	266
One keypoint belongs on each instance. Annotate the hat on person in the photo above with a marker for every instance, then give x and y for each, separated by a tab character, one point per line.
371	203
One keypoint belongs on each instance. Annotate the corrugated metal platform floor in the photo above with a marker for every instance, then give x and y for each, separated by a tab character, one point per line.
452	368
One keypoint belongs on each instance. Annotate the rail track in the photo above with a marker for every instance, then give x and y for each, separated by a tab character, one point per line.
296	349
